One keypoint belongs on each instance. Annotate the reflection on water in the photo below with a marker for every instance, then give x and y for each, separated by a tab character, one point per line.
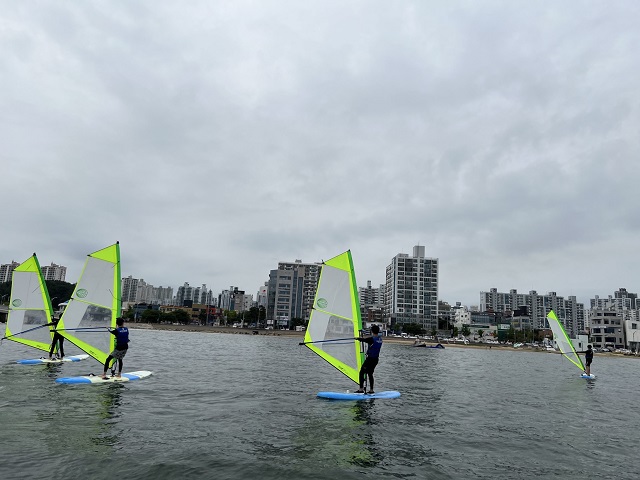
342	435
366	454
90	412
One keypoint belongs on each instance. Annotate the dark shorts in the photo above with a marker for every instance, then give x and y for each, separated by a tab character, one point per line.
118	354
369	365
588	361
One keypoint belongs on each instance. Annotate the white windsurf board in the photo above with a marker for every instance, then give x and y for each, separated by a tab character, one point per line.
93	379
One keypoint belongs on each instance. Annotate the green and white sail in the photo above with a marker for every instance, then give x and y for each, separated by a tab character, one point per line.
30	307
335	320
95	304
563	341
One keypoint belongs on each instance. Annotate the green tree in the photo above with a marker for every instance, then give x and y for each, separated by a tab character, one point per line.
466	331
480	333
443	324
262	315
5	291
251	315
59	291
229	317
297	322
168	317
150	316
182	317
413	329
128	315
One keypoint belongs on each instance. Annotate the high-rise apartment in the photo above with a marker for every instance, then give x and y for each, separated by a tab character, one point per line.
54	272
136	290
6	271
570	313
411	290
129	287
371	303
290	292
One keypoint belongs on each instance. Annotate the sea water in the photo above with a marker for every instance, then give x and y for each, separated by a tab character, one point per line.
225	406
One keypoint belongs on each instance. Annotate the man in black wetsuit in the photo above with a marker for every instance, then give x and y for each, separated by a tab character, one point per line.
373	352
588	357
58	340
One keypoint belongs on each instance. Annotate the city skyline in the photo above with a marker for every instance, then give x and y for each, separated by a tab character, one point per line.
361	284
217	140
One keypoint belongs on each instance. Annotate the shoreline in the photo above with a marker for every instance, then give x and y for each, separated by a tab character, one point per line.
292	333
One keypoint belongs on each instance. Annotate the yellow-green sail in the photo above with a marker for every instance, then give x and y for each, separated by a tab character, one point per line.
563	341
335	319
30	308
95	304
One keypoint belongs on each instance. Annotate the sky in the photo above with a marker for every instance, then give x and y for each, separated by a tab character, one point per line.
215	139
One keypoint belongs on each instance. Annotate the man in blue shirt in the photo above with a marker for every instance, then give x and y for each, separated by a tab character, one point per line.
373	352
122	344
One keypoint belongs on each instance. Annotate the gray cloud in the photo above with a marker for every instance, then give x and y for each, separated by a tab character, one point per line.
214	140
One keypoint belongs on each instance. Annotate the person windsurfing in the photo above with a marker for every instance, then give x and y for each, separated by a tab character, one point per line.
373	352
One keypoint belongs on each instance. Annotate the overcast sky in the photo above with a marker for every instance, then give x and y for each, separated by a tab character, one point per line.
214	139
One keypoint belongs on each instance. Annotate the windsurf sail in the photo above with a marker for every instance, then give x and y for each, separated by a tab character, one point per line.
95	304
30	307
563	341
335	319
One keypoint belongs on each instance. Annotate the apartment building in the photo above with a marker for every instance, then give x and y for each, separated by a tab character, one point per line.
371	300
411	290
136	290
290	292
615	320
606	329
569	311
54	272
6	271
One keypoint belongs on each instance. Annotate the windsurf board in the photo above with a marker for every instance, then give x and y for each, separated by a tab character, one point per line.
358	396
126	377
36	361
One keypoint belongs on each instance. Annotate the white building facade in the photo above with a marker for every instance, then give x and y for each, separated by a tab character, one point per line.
54	272
411	290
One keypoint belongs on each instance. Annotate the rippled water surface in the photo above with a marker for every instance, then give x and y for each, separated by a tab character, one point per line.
224	406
